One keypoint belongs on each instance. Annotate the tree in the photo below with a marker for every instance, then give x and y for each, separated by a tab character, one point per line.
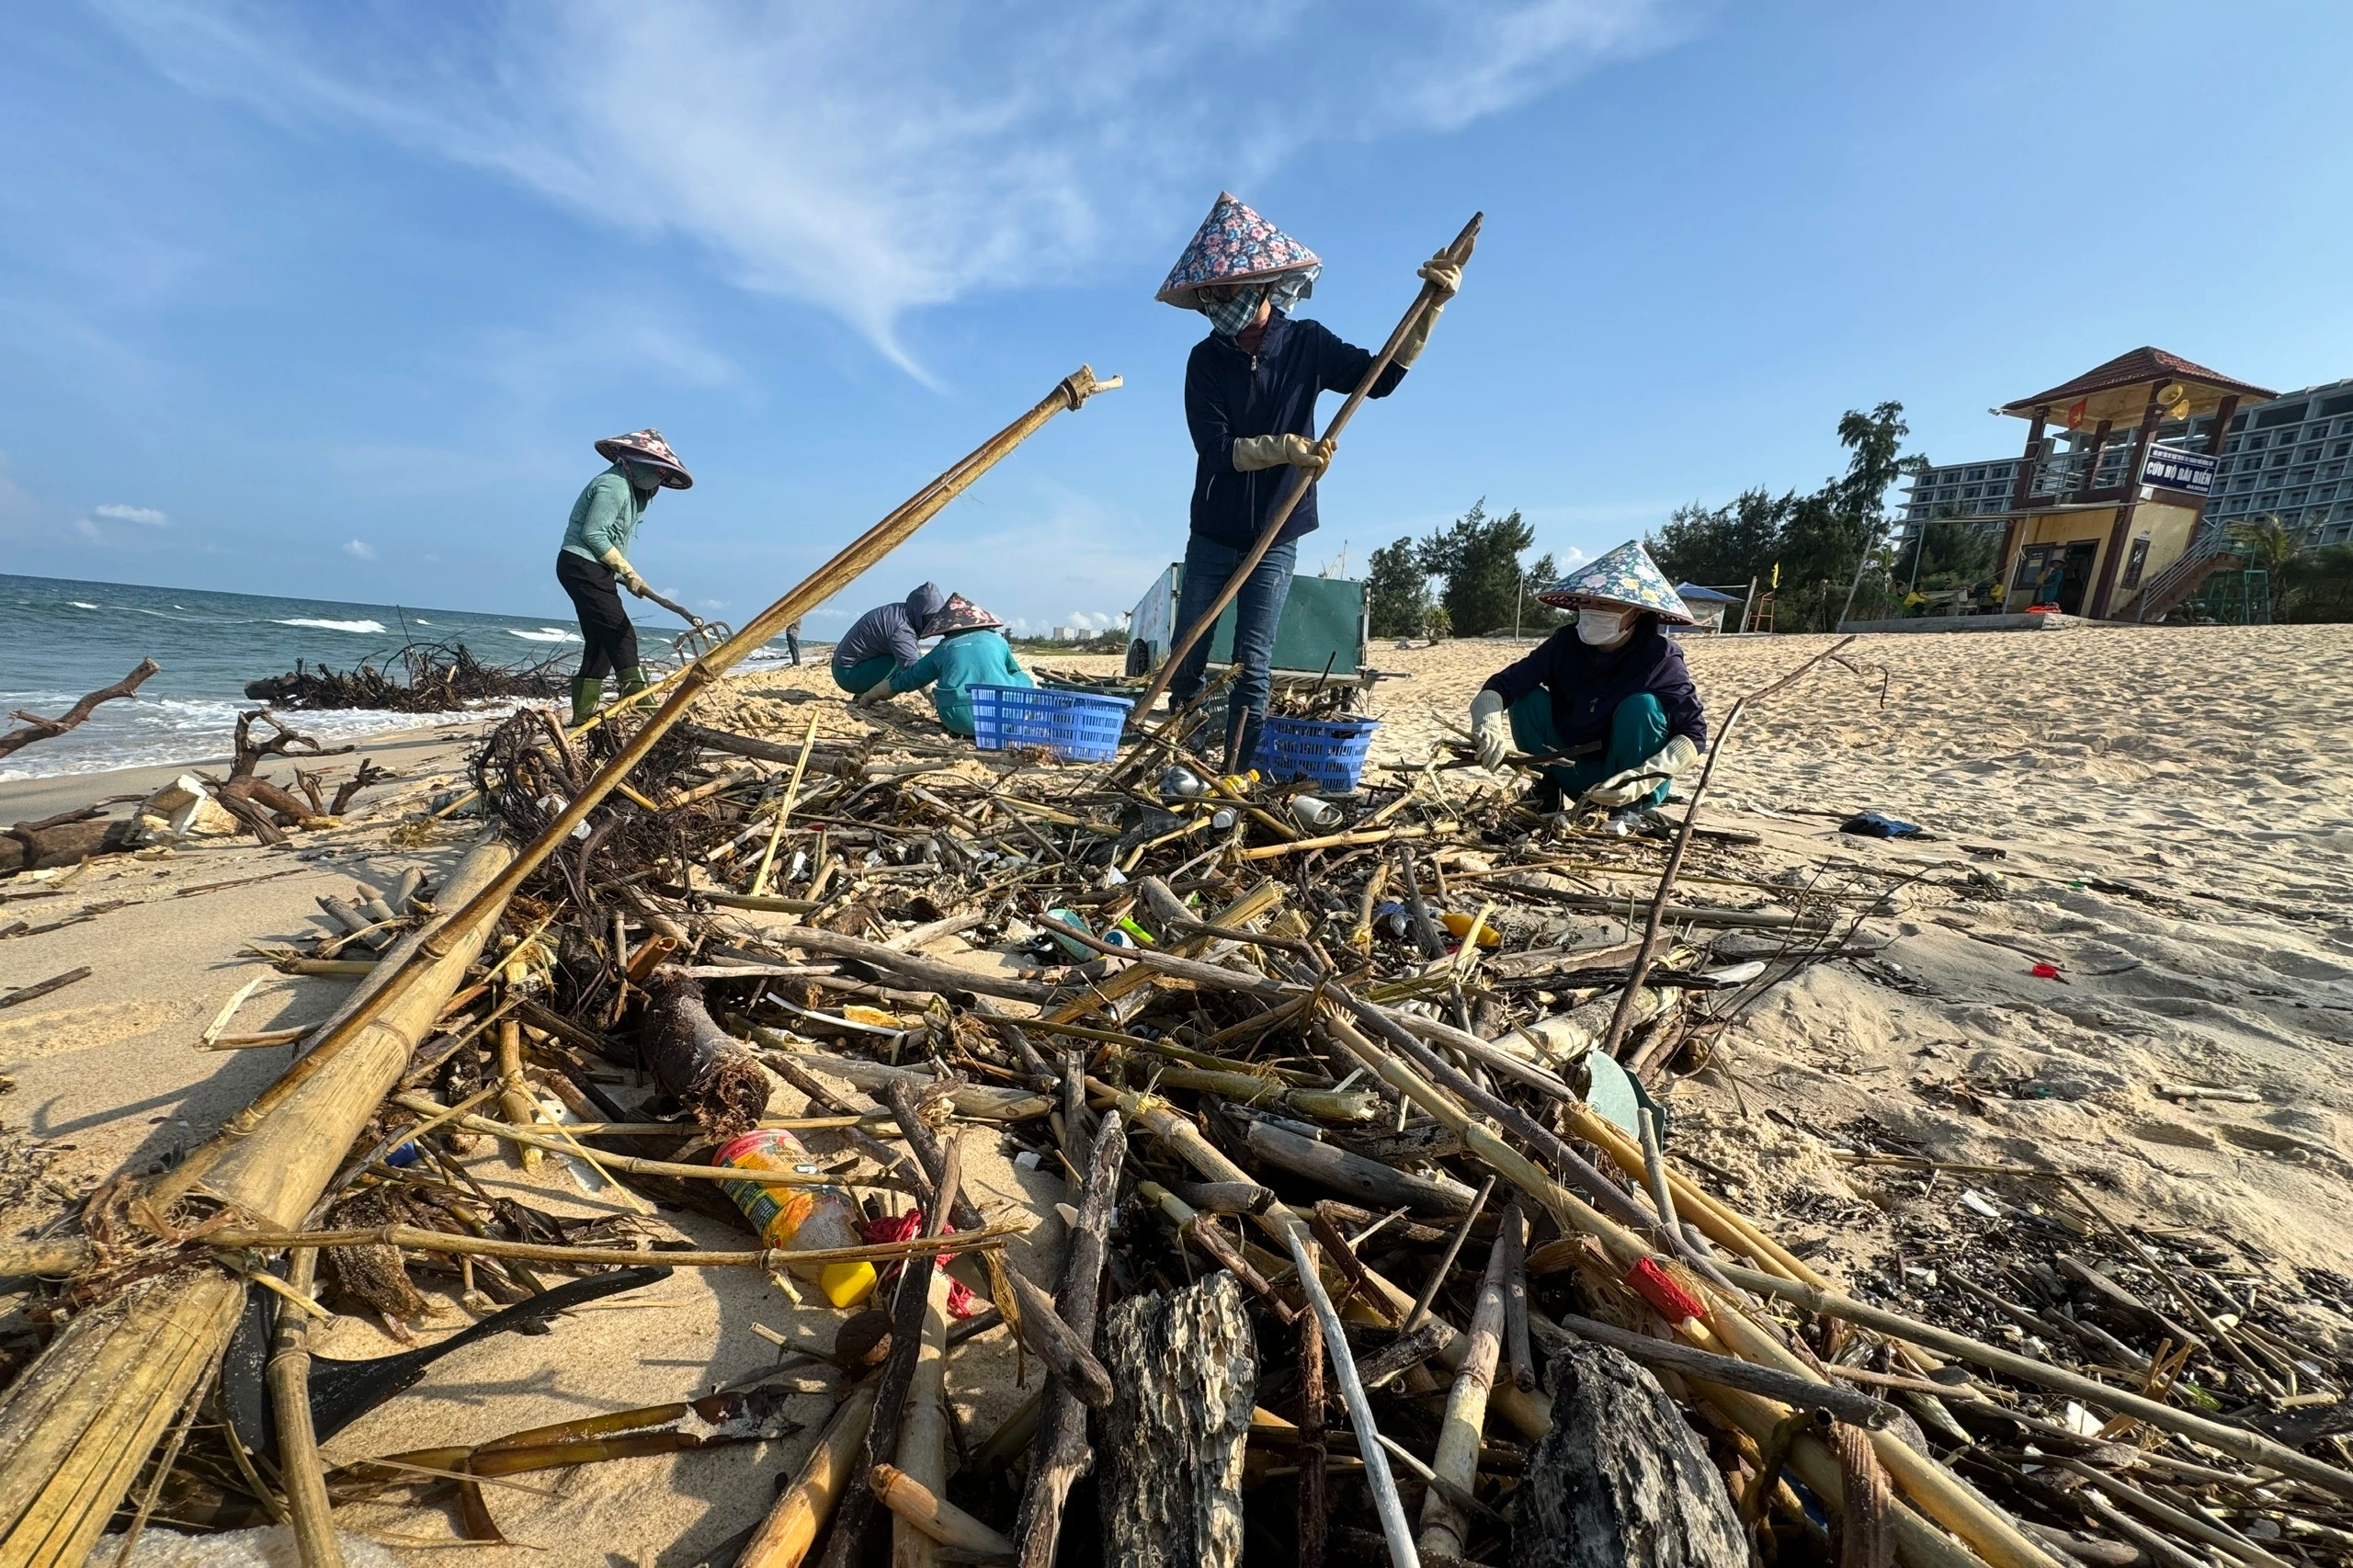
1725	544
2316	585
1479	558
2265	541
1533	614
1397	590
1949	552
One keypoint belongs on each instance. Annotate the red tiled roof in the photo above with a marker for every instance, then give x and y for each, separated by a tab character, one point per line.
2140	366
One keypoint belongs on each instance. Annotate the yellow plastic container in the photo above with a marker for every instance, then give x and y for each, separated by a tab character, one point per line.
798	1219
1460	925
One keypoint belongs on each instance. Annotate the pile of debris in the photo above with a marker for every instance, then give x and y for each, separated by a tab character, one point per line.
1374	1218
1377	1249
422	677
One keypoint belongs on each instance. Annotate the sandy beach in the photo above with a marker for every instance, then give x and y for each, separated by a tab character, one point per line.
2157	817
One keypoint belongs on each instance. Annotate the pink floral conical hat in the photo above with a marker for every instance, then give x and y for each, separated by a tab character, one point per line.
1627	577
959	614
647	446
1234	245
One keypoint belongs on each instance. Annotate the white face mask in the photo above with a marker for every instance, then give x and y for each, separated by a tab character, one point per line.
1600	628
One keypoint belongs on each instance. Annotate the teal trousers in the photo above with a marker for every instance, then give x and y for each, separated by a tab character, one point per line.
1637	731
865	675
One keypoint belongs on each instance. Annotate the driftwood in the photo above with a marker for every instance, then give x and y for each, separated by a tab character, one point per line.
36	728
1185	1364
1061	1455
1621	1477
63	840
701	1065
1368	1181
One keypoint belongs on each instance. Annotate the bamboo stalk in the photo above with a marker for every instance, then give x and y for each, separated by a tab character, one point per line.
77	1425
1445	1531
792	1526
289	1376
923	1438
800	765
939	1521
418	1239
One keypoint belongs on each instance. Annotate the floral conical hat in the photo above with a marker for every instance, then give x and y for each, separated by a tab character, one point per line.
959	614
1626	576
647	446
1234	245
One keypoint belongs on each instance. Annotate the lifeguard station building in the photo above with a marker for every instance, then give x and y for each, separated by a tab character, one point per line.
2109	527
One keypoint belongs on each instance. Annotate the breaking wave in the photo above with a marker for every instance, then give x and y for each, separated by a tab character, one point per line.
373	627
544	634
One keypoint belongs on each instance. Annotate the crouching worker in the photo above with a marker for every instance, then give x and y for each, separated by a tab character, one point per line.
604	521
972	651
884	640
1610	690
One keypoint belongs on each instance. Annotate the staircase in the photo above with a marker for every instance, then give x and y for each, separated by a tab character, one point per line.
2207	554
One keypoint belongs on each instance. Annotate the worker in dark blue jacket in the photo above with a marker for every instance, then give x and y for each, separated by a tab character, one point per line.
1250	391
1605	707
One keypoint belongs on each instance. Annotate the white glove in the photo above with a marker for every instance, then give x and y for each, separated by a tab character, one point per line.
624	571
1443	270
1625	788
1253	452
878	692
1490	728
1447	275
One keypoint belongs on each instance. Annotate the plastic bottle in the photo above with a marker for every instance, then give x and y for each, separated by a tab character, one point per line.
797	1218
1180	783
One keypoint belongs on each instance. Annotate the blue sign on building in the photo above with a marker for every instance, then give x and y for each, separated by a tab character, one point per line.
2189	472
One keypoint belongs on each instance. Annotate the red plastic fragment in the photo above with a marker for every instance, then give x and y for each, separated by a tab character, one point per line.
1658	1288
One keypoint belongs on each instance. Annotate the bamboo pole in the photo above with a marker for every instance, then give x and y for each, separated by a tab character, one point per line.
923	1435
792	1526
289	1376
399	974
937	1520
1445	1531
417	1239
76	1427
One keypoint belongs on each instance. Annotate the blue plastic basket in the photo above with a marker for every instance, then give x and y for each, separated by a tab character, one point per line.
1075	726
1331	752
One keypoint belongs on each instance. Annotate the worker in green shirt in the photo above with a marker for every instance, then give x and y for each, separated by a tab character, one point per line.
593	560
971	652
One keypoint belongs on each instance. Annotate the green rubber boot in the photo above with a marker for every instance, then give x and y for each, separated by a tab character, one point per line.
633	681
585	692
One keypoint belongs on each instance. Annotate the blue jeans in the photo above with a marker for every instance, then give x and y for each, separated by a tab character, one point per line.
1258	611
1637	732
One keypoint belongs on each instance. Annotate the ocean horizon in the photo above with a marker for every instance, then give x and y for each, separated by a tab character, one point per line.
61	637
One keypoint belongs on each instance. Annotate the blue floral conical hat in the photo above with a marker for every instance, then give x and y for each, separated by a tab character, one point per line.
1234	245
1627	576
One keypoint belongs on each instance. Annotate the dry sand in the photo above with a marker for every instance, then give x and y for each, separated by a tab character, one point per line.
2168	806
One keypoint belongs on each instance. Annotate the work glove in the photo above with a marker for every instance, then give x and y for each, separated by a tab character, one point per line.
624	571
878	692
1252	452
1625	788
1490	728
1443	270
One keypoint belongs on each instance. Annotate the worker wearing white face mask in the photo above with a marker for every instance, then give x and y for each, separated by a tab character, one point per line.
1607	698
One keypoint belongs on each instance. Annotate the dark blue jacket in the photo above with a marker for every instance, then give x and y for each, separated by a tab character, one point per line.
1229	393
891	629
1587	683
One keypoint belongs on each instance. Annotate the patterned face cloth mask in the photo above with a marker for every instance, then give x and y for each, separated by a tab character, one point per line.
1230	316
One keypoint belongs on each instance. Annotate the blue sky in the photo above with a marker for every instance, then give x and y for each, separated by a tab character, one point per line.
331	300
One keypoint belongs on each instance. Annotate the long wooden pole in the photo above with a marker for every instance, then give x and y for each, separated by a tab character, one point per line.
835	574
1424	302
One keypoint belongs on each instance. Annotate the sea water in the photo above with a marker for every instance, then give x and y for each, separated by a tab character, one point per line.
61	638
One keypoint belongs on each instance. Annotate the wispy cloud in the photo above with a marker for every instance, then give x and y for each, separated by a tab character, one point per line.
877	159
359	549
146	517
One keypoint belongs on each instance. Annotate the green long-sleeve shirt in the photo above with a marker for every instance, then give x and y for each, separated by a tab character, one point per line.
960	662
605	518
